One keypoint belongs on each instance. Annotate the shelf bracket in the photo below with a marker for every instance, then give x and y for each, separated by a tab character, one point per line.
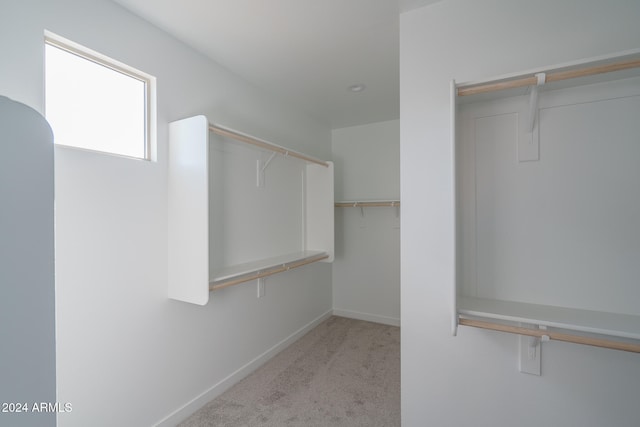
533	100
528	147
363	219
260	286
530	351
261	166
396	221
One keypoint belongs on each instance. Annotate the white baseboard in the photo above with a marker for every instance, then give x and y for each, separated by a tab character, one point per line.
392	321
189	408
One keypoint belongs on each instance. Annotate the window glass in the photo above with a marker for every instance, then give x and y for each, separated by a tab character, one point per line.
94	105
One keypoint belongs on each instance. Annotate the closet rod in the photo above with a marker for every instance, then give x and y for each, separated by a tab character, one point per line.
550	77
263	144
577	339
392	204
260	274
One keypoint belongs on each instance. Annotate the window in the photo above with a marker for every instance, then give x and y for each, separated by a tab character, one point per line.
95	103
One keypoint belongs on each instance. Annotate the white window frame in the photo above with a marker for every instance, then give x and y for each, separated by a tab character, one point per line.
150	143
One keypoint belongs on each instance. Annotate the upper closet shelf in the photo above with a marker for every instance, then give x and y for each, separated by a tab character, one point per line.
474	311
597	71
589	321
239	136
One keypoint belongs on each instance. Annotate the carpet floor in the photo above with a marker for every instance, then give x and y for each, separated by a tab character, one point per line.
344	372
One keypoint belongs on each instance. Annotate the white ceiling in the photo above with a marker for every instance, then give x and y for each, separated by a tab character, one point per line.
308	52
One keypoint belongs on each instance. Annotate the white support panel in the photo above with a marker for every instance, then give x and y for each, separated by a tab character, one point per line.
454	153
188	210
319	213
530	353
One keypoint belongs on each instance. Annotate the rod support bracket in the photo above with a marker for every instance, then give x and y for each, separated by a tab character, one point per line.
261	167
533	100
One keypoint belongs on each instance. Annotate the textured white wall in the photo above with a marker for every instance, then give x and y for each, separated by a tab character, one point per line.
473	379
366	272
126	354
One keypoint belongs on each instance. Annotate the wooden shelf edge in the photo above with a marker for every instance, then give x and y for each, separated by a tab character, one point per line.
551	76
267	268
261	143
368	204
590	321
552	335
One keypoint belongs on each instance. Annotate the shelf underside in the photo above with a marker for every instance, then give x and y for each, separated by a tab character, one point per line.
588	321
263	267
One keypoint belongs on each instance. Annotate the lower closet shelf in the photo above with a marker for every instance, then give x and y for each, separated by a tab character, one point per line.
240	273
588	321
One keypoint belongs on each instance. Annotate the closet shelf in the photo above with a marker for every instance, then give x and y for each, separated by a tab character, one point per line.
240	273
572	319
261	143
499	226
553	76
368	204
195	233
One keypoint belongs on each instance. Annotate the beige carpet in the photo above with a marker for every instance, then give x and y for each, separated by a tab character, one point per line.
344	372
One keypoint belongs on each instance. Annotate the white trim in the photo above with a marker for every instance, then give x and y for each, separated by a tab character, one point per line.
385	320
198	402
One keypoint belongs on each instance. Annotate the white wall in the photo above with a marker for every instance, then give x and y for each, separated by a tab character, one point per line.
472	379
126	354
366	271
367	161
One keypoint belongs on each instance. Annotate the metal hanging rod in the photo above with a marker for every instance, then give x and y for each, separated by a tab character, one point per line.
550	77
214	286
373	204
545	334
229	133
